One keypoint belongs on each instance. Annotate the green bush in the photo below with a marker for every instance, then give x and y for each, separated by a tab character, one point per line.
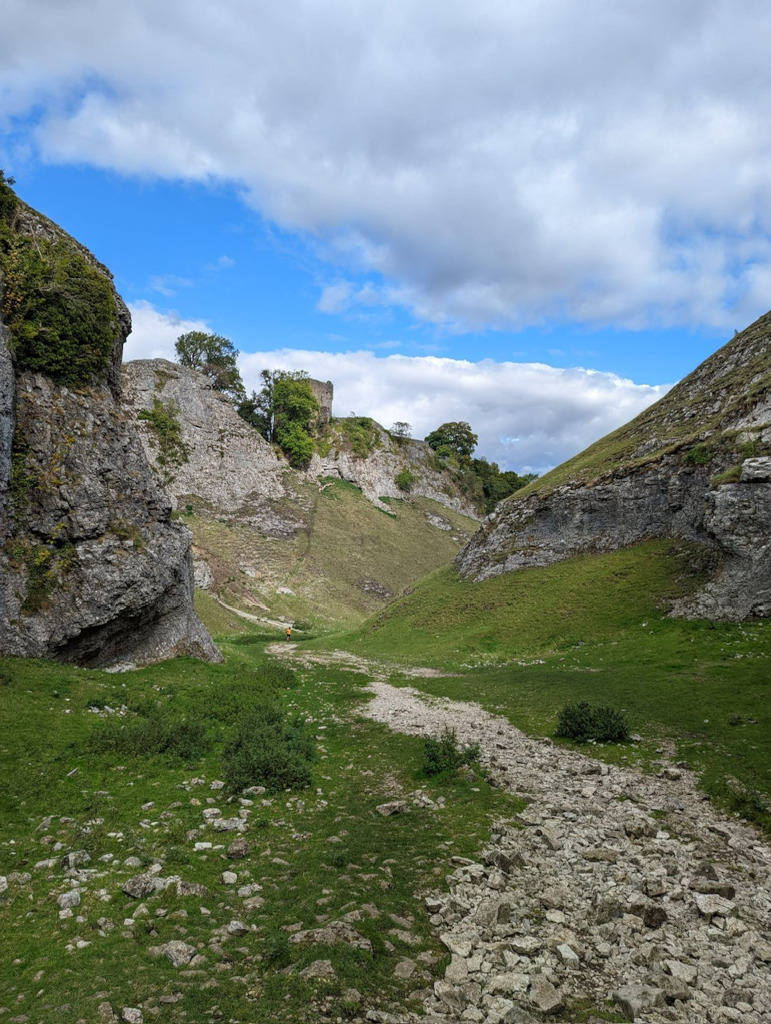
700	455
166	425
156	733
405	480
583	722
60	310
444	754
296	443
268	749
362	433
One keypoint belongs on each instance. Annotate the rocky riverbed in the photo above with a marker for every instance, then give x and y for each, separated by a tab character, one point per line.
611	888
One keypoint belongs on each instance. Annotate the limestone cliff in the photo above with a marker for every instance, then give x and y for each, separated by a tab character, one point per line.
324	546
222	461
378	472
215	459
697	466
92	570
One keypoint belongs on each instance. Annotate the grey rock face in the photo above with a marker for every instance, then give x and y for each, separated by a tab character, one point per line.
227	464
93	569
376	474
235	471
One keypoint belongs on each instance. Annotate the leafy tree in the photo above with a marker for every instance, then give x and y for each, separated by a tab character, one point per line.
296	443
285	394
401	431
453	439
215	357
283	411
405	480
497	485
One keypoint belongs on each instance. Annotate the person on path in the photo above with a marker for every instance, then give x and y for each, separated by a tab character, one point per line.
289	632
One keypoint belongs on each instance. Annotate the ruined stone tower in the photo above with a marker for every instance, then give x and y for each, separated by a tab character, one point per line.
323	392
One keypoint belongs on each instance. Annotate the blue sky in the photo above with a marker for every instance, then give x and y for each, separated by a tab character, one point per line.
533	217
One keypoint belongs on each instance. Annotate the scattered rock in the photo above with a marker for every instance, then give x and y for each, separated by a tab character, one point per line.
319	969
178	952
140	886
238	849
543	995
394	807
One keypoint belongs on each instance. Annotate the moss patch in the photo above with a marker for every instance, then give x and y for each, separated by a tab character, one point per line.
60	311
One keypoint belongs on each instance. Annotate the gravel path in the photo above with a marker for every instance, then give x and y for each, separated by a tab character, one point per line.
611	885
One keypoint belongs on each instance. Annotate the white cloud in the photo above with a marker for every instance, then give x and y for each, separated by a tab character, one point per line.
529	416
497	163
153	332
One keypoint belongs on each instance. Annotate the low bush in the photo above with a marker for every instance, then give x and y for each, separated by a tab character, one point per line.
155	733
362	433
268	749
444	754
583	722
405	480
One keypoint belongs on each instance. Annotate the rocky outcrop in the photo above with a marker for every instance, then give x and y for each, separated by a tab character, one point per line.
224	463
680	470
219	460
93	570
377	472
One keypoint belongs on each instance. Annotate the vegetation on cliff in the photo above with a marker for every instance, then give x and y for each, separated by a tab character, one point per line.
702	421
214	357
60	310
284	411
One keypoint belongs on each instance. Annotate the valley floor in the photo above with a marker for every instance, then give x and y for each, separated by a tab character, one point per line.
611	886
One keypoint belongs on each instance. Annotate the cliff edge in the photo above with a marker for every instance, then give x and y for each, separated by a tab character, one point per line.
92	569
696	466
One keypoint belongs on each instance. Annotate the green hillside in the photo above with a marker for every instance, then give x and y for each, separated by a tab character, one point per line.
594	628
700	419
345	561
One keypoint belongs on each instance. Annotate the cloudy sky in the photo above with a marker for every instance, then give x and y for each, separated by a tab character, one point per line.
533	216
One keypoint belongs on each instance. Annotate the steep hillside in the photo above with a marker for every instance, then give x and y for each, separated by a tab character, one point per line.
92	569
695	466
322	547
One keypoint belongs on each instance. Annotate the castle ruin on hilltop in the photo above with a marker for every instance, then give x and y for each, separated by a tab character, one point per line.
323	392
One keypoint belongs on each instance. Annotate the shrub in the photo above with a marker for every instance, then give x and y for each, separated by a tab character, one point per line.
362	433
583	722
444	754
156	733
268	749
700	455
405	480
60	311
166	425
296	443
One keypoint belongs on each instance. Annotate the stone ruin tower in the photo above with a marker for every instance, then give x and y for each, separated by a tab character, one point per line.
323	392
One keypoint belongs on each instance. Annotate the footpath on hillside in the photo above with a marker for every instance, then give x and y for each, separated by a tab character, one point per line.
612	887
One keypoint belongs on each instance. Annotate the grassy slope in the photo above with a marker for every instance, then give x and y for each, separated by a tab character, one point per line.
347	545
593	628
693	413
317	854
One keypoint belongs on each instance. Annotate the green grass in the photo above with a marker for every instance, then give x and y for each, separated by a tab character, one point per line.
345	560
318	853
449	622
594	628
738	374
